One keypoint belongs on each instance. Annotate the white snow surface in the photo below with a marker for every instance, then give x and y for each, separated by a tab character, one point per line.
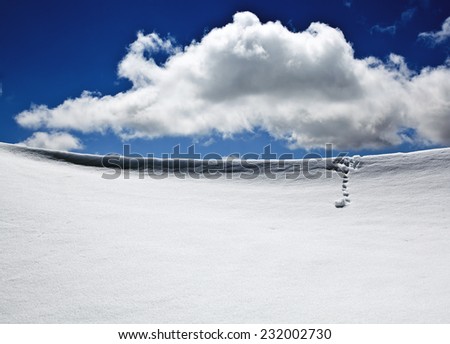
76	248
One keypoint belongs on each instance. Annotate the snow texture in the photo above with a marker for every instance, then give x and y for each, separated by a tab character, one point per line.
76	248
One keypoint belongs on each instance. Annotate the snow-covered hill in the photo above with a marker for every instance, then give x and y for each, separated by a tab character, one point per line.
75	247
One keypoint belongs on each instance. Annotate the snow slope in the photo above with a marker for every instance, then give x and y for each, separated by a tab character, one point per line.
76	248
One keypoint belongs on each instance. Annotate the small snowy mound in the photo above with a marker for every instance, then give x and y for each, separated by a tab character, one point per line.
340	203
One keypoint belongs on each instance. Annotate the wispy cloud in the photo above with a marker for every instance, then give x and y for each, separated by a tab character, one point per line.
437	37
405	17
209	142
348	3
392	29
306	88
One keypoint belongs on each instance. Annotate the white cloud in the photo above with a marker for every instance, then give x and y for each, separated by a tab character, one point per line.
55	140
438	36
306	88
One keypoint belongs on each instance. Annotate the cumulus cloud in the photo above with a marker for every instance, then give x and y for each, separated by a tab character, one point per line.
55	140
439	36
306	88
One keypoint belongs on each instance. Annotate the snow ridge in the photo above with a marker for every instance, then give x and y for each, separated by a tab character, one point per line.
246	169
297	168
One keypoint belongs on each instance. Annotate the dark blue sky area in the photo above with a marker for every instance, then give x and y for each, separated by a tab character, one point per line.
53	50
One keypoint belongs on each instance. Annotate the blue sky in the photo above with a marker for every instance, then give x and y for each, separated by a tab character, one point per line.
52	51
